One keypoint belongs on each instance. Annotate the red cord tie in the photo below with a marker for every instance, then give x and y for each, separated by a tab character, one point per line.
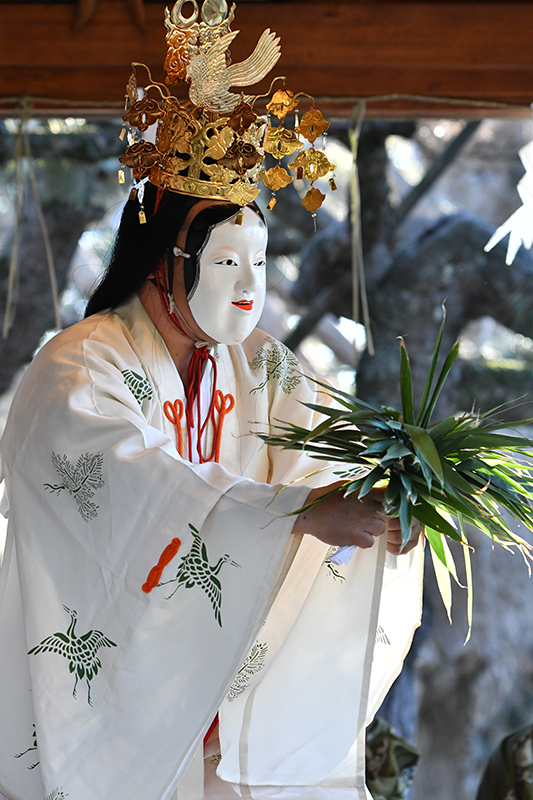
174	414
193	410
211	729
199	358
165	558
224	403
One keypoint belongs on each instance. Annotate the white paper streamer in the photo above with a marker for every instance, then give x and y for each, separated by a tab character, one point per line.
519	226
343	555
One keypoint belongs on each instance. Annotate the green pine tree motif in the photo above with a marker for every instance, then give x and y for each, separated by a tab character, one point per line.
335	574
254	663
195	570
279	363
30	749
81	481
140	387
79	650
56	794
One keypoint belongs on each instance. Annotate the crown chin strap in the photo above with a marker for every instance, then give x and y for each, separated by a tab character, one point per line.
200	357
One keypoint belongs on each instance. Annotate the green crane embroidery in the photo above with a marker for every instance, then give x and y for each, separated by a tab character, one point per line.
30	749
253	663
81	481
280	364
139	386
195	570
79	650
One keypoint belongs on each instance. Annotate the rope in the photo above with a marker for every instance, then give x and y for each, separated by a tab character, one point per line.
224	403
174	414
12	283
421	98
22	149
44	229
22	100
199	358
359	293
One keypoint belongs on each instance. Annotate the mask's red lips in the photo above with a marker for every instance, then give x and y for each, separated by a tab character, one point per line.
246	305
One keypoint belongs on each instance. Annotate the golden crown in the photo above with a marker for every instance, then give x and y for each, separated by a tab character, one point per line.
213	145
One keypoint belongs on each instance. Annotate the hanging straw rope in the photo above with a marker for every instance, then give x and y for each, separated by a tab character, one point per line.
18	101
44	229
12	282
23	150
359	295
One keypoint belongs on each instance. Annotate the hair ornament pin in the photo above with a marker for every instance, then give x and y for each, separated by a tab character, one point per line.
179	252
213	145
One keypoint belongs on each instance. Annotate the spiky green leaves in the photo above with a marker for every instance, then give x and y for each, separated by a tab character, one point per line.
461	468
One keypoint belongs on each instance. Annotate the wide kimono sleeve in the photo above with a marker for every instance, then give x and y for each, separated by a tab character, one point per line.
334	640
132	587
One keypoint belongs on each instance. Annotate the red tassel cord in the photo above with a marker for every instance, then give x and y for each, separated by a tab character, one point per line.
200	356
174	414
224	403
158	197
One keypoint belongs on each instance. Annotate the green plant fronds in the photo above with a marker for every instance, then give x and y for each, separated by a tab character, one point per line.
462	467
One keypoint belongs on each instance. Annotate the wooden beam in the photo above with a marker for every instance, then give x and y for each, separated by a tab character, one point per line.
342	51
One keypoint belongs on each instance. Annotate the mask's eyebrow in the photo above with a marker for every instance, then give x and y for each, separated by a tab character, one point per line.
222	251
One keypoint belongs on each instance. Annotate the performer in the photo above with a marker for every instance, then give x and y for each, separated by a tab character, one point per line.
155	572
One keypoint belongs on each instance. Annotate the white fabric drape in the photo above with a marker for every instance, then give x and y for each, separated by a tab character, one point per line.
95	494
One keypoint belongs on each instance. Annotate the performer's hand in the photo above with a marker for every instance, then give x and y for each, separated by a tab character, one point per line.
394	536
343	521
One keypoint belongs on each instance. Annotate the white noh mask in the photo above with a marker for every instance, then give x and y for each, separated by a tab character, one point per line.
229	296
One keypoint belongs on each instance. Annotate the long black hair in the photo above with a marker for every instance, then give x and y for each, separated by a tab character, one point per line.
138	249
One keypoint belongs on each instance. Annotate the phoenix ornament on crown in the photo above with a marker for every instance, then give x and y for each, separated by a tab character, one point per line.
213	145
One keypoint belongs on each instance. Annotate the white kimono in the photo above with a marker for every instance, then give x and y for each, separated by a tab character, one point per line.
135	583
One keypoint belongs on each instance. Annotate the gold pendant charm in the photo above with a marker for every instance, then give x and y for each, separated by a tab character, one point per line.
122	134
314	164
121	177
299	173
133	194
275	178
332	184
142	217
272	203
312	125
239	218
313	200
